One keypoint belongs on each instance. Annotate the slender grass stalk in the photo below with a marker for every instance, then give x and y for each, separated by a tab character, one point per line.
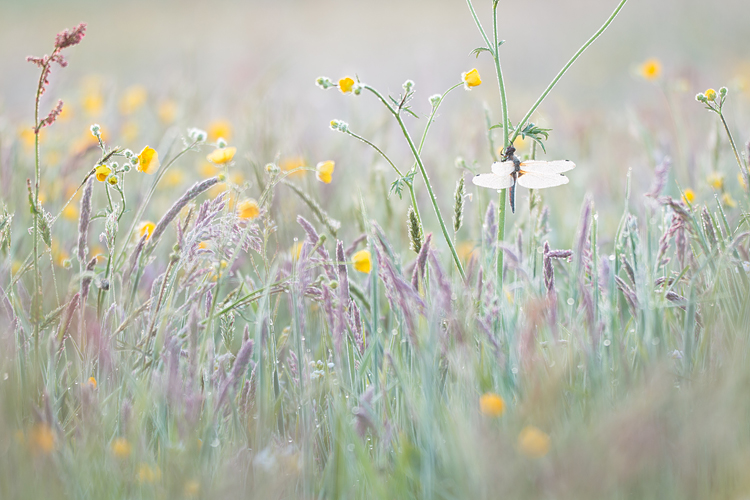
565	68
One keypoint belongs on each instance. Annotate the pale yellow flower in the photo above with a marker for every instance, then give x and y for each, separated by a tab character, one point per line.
92	382
221	156
715	180
293	163
491	405
102	172
346	85
651	69
710	94
192	488
324	171
533	442
148	161
121	448
146	227
148	474
167	111
362	261
248	209
42	439
219	129
727	200
471	79
133	98
688	196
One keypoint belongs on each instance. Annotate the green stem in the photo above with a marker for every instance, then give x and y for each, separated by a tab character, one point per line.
734	147
549	88
506	143
410	185
142	207
426	179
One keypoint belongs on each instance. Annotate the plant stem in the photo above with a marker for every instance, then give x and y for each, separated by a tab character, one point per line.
549	88
410	185
426	179
506	143
734	147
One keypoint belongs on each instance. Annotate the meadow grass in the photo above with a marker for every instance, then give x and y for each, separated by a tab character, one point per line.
254	329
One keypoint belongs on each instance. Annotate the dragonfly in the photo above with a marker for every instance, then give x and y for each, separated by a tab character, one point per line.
531	174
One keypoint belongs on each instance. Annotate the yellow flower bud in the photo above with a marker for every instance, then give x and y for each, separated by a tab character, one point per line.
471	79
324	171
491	405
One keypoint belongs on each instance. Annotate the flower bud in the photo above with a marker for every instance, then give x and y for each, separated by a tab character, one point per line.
435	100
221	143
408	86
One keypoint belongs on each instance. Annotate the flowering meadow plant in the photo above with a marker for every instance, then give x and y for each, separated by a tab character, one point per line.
218	312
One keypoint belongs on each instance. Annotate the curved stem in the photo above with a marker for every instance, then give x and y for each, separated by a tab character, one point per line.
426	179
549	88
142	207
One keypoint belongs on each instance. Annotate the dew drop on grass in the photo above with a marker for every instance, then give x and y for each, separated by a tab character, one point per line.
350	447
612	258
215	443
570	301
394	332
606	343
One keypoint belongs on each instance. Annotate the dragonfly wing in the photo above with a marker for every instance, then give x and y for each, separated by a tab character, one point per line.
547	167
538	180
492	181
503	168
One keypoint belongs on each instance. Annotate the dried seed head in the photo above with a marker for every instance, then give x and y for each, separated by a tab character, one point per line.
458	204
415	230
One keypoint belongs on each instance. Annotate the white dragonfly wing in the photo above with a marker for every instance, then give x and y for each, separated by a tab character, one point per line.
492	181
503	168
539	180
549	167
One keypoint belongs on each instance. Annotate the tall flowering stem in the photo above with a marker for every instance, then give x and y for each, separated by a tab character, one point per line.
418	159
64	39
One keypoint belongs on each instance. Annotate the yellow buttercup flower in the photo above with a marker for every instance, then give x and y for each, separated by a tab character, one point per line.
362	261
192	488
93	102
42	439
173	178
715	180
102	172
248	209
727	200
533	442
70	212
688	196
148	474
471	79
346	85
296	250
324	171
491	405
121	448
293	163
219	129
92	382
148	161
710	94
651	69
146	227
221	156
133	98
113	180
167	111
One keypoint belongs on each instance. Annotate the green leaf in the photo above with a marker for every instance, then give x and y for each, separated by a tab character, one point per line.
479	50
